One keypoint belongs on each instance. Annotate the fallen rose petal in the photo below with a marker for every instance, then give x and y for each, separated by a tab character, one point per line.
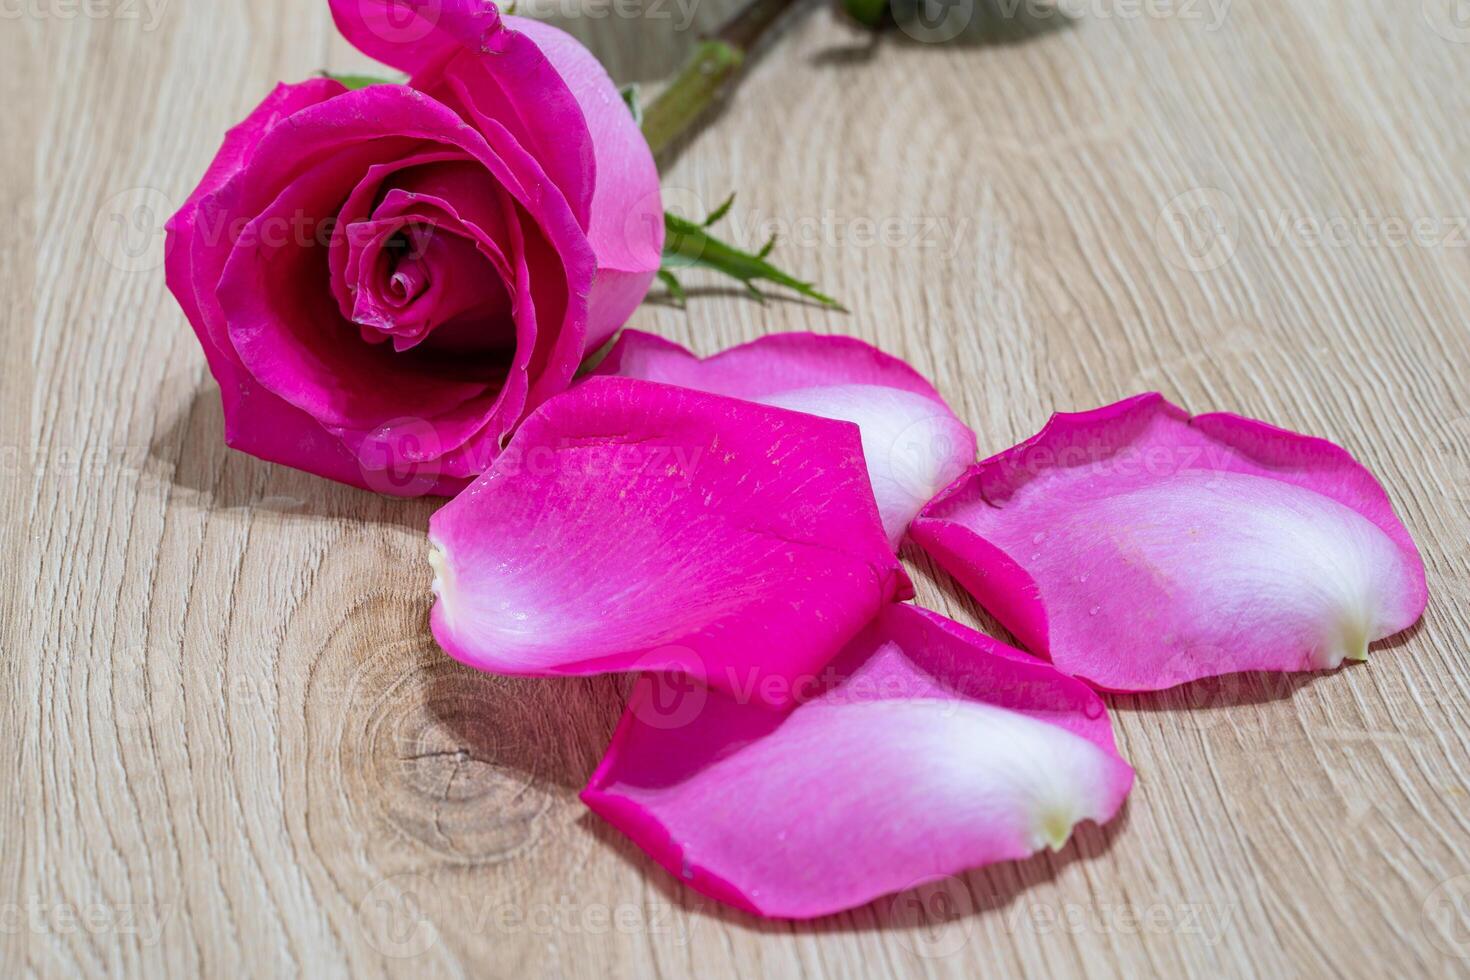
1140	548
914	445
631	525
924	749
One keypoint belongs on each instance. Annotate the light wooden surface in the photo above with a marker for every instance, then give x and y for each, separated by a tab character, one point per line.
231	747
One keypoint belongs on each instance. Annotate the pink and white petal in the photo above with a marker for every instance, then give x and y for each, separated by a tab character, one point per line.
914	445
463	53
926	750
631	525
773	364
626	224
1140	549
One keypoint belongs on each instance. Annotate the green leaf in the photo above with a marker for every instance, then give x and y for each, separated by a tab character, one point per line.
690	245
869	13
354	82
630	97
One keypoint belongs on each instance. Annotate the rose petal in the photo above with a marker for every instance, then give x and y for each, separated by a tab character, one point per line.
347	389
418	200
412	35
531	87
347	233
1140	548
924	749
626	223
914	445
631	525
257	421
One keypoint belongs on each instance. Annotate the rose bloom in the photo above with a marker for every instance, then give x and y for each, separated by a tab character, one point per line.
386	280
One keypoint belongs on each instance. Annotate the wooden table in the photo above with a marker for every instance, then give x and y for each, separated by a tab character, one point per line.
232	747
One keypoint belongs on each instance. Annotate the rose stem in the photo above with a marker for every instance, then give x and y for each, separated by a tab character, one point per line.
709	73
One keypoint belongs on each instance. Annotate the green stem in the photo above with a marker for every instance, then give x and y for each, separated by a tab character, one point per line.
709	73
707	77
691	92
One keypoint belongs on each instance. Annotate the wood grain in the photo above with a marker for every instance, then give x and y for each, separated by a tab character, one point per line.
233	749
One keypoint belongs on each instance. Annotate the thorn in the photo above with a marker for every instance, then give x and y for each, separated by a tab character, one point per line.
674	286
720	211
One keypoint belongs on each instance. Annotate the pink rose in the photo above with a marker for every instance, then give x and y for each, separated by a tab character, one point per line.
386	280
